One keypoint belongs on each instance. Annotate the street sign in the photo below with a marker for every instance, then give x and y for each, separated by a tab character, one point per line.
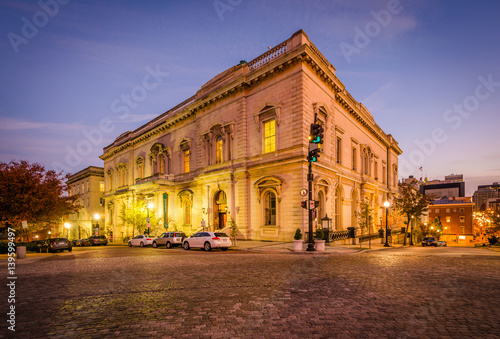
311	204
303	192
203	224
149	225
147	219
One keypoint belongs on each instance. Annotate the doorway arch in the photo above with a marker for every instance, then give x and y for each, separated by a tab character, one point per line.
220	210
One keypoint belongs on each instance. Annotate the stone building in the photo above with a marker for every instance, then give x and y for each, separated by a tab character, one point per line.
456	215
237	149
88	184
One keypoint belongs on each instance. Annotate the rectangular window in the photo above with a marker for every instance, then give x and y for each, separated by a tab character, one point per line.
437	211
101	186
447	210
186	161
269	136
462	229
375	166
354	157
461	210
448	219
462	218
218	149
88	186
339	150
383	174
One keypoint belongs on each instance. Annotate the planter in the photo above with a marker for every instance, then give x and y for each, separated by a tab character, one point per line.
320	245
297	245
21	252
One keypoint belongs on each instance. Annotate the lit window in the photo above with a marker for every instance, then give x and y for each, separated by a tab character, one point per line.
269	136
447	210
161	163
186	160
101	187
437	211
270	209
448	219
218	150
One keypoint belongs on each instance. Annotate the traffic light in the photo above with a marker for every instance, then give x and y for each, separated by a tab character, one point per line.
313	155
316	134
303	204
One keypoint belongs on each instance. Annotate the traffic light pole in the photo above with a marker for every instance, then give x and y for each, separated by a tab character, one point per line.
310	240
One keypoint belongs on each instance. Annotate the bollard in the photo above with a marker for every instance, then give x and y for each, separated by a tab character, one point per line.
21	252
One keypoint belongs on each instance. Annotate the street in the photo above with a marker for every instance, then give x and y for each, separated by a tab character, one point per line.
116	291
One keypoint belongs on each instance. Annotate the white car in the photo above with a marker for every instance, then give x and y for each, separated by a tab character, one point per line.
207	241
140	240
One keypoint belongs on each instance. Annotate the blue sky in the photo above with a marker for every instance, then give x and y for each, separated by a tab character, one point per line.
428	71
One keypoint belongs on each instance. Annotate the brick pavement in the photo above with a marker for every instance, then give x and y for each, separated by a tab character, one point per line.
149	292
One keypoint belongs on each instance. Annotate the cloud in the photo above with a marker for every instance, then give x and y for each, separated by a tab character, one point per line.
13	124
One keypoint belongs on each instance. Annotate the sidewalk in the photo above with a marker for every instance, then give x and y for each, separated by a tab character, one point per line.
287	247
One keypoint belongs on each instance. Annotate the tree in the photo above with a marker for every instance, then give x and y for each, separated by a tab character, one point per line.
135	213
412	204
30	192
365	216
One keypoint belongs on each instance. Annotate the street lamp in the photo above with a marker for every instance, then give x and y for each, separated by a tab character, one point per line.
97	217
68	226
150	206
326	223
411	231
386	205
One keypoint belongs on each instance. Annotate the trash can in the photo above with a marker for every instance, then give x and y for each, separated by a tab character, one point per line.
352	232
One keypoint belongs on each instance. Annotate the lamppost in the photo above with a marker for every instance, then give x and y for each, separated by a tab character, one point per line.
68	226
326	223
150	206
96	229
386	205
411	230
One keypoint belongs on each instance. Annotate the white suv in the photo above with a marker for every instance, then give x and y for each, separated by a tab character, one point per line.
207	241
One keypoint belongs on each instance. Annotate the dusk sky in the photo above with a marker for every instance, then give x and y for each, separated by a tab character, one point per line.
429	71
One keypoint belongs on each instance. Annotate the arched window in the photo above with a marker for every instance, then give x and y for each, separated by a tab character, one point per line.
218	150
269	208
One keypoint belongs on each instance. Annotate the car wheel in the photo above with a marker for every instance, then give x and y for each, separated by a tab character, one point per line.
155	245
207	246
70	249
141	244
186	245
129	244
168	244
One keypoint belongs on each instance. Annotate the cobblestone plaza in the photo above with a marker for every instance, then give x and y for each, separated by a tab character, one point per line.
145	292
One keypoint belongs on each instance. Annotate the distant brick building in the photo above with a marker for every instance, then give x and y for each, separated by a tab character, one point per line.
88	184
456	215
238	148
486	195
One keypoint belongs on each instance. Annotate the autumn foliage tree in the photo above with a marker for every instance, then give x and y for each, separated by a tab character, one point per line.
411	203
32	193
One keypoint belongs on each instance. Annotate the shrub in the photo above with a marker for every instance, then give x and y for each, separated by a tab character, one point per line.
319	234
298	234
493	240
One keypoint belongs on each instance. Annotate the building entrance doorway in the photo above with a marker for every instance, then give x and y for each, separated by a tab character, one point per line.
220	210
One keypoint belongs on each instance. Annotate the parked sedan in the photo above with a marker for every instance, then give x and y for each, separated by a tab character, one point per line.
169	239
140	240
207	241
56	244
78	242
442	243
97	240
429	241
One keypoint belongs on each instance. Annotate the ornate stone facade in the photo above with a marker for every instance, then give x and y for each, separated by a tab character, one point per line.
238	147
